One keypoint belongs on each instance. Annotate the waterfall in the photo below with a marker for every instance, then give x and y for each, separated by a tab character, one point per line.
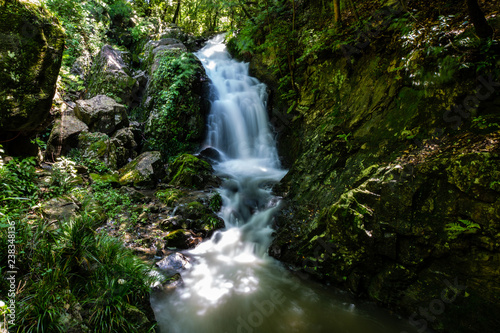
233	285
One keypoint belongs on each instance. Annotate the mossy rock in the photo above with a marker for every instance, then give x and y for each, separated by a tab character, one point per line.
191	172
200	218
169	196
31	47
108	178
177	101
110	76
98	146
144	171
181	239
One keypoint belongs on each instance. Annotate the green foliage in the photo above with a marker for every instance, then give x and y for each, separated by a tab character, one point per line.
175	104
63	175
169	196
344	137
93	165
454	230
109	199
18	189
215	202
85	25
75	266
119	10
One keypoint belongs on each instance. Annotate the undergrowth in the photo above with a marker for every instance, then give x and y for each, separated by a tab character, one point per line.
69	277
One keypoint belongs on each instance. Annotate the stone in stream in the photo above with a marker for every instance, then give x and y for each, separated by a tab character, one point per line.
174	263
210	155
191	172
181	239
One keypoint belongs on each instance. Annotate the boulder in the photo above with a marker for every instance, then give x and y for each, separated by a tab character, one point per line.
110	75
64	136
200	218
102	114
125	146
31	47
59	209
191	172
174	263
181	239
144	171
175	98
154	47
98	146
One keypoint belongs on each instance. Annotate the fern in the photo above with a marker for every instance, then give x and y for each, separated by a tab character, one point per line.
462	227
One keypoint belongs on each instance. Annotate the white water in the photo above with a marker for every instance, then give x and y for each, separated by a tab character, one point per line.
233	285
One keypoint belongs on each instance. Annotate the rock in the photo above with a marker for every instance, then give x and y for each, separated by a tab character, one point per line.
170	196
191	172
144	171
174	263
110	75
125	136
31	47
177	103
59	209
102	114
98	146
181	239
64	136
200	218
210	155
169	285
152	48
191	42
125	146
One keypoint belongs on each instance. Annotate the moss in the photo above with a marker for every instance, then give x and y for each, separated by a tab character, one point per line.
189	171
178	239
31	46
177	121
143	171
169	196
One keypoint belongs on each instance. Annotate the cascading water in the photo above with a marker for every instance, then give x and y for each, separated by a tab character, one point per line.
233	285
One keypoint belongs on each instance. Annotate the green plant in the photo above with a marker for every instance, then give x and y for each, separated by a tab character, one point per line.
344	137
215	202
462	227
175	104
63	174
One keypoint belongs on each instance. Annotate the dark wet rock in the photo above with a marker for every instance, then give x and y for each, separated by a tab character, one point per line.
210	155
181	239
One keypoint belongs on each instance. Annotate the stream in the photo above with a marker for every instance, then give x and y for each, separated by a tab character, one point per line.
233	285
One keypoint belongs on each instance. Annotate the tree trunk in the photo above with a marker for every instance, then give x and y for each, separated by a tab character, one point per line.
483	29
336	10
176	15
